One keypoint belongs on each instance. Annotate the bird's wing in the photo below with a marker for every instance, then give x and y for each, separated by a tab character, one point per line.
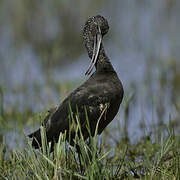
90	99
81	101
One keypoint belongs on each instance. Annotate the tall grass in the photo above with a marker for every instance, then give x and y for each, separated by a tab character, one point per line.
145	159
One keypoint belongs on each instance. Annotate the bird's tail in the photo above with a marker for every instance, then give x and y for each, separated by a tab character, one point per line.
36	142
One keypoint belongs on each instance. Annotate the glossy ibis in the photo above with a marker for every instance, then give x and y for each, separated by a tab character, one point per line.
100	95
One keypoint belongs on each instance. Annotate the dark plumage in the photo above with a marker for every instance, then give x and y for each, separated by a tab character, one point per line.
101	94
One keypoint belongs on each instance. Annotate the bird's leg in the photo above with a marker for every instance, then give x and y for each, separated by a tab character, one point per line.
79	156
52	146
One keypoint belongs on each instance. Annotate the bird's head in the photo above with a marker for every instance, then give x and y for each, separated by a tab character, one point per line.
95	28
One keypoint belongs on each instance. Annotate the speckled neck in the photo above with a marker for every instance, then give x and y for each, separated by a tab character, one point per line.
103	63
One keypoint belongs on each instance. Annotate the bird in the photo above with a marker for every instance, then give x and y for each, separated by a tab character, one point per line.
98	98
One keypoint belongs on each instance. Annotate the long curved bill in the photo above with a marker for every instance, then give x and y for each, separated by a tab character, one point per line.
96	48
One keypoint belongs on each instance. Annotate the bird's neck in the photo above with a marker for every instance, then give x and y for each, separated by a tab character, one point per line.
103	63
